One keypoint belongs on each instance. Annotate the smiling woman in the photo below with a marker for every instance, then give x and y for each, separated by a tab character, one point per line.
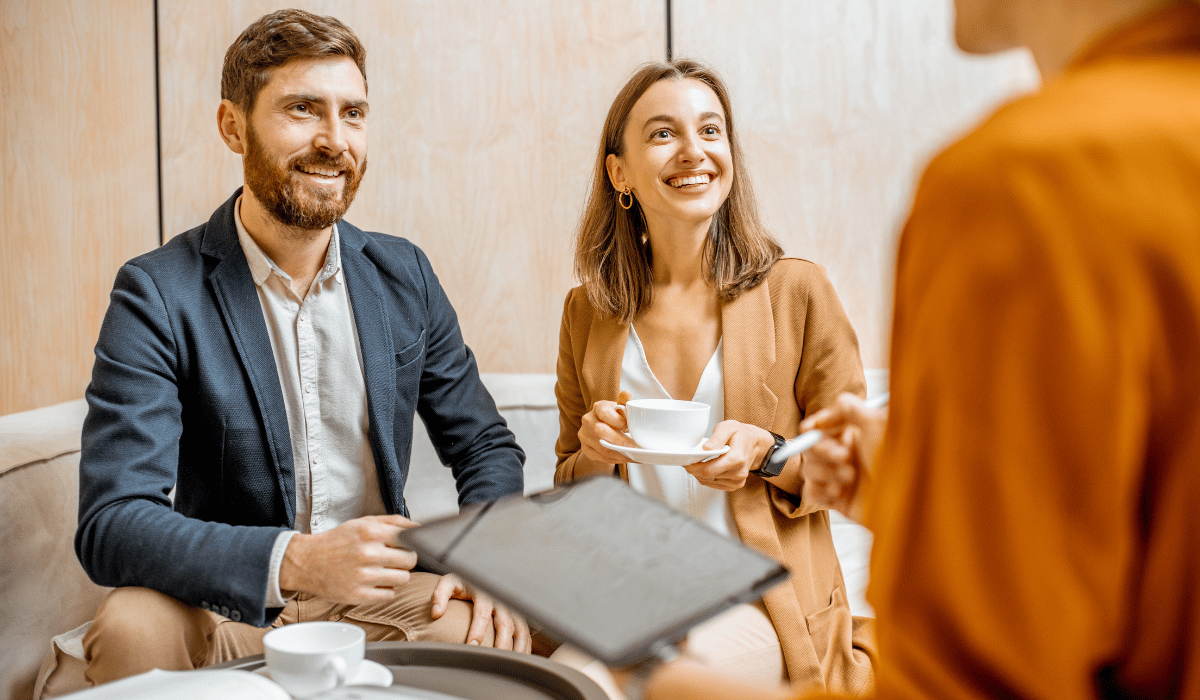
684	295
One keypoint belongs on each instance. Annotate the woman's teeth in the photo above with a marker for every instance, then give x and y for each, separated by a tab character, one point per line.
690	180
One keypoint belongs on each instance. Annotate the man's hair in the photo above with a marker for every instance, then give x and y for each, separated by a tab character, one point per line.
612	255
275	39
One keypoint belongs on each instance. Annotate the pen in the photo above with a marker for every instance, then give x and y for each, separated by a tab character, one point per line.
807	439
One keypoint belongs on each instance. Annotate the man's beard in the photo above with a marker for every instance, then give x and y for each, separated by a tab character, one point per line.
293	203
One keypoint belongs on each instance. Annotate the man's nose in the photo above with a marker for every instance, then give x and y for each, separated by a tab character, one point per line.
331	137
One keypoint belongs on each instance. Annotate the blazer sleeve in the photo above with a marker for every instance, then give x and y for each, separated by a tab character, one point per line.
569	390
465	427
128	533
829	362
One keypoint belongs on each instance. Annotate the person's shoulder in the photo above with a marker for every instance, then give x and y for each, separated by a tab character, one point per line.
577	304
1111	110
791	273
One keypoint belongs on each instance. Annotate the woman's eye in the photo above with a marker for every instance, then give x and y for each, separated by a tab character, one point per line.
661	134
711	131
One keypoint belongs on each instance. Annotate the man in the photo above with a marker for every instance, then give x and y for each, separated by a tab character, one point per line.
1034	502
267	365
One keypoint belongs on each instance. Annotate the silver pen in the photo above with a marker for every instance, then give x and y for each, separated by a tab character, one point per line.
807	439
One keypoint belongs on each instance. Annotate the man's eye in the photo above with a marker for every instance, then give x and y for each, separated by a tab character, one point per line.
354	114
301	108
661	134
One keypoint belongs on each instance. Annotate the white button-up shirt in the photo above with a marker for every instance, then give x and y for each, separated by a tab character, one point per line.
315	343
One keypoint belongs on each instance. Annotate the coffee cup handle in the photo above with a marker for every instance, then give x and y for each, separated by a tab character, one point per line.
338	665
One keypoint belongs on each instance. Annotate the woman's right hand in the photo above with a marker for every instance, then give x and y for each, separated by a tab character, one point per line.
604	422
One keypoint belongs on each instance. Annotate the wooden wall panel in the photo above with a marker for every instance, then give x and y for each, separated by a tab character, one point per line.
839	104
485	117
79	186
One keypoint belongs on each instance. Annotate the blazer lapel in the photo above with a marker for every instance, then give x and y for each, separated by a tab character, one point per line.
748	354
237	298
378	352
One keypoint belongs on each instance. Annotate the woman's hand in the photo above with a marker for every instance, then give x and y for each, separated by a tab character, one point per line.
838	469
604	422
748	445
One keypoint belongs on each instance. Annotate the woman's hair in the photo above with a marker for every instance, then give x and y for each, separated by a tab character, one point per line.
275	39
612	253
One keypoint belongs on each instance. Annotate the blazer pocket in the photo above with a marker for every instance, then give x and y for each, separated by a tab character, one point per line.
411	352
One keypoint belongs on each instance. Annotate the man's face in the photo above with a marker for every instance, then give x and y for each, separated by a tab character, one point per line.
306	141
985	26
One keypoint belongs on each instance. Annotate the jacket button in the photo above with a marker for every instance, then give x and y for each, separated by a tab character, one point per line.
236	616
204	604
225	611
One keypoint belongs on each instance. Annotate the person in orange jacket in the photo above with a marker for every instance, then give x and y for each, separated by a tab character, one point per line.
1032	492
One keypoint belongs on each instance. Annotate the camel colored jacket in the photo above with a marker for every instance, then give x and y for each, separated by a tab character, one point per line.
789	350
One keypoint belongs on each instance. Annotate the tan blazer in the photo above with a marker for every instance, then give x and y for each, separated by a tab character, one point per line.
788	350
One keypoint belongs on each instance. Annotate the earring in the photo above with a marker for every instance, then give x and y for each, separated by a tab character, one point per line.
621	200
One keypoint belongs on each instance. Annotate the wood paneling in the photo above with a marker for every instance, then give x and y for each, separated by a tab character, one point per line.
79	182
839	104
485	117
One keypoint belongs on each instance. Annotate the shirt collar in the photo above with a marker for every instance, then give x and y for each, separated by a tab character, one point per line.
261	266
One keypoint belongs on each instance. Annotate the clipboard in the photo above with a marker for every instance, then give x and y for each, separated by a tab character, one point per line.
595	564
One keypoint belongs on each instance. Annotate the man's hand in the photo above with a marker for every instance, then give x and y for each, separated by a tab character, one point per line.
838	469
359	561
512	632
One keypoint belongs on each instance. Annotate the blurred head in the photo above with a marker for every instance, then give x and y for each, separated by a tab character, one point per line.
294	106
613	254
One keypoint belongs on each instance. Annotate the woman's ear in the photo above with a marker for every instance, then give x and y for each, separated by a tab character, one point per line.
616	172
231	124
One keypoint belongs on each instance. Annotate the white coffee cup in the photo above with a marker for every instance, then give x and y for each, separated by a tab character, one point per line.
667	425
309	657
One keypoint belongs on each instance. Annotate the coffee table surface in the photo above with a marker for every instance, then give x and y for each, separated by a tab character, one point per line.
469	672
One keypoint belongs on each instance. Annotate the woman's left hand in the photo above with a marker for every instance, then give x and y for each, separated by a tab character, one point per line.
748	444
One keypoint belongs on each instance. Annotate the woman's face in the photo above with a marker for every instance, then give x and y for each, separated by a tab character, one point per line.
677	160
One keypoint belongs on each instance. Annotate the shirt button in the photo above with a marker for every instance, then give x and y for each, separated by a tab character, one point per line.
308	389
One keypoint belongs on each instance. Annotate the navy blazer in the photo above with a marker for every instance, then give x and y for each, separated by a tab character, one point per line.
185	394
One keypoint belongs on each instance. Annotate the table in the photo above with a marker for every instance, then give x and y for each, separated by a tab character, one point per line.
470	672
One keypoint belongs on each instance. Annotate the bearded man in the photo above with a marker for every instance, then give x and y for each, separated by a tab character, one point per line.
267	365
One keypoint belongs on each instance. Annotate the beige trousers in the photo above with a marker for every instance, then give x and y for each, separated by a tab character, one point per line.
740	642
137	629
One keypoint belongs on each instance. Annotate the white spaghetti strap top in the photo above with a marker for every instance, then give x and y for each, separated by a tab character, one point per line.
670	484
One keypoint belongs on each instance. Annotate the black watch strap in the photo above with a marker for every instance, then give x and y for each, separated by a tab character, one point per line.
766	469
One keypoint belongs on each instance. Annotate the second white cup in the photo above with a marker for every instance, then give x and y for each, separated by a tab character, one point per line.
309	657
667	425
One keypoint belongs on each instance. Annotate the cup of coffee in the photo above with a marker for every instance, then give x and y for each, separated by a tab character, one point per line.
309	657
667	425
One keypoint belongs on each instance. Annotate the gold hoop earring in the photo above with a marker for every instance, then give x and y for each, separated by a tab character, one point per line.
621	198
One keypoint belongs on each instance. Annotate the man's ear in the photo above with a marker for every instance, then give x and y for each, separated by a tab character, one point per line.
616	172
231	123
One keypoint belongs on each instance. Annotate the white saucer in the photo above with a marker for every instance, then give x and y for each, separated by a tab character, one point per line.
676	459
369	673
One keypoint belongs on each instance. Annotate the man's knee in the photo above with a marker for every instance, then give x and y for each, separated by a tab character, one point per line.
137	629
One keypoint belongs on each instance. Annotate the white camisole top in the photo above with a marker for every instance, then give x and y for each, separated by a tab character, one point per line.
670	484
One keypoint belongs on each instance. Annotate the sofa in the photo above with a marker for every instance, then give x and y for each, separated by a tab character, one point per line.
46	599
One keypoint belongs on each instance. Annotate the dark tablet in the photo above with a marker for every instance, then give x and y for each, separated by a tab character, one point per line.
598	565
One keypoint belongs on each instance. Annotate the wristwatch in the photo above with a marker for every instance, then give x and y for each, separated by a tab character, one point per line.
766	469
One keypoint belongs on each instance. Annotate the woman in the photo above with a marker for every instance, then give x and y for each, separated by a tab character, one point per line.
685	296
